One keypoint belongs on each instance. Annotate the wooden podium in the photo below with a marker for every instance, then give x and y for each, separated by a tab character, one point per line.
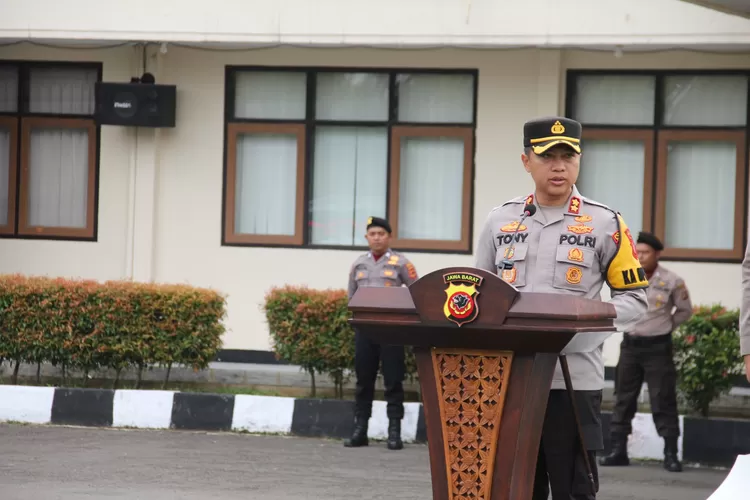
486	355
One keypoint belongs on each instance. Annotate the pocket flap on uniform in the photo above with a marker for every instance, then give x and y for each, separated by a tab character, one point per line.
518	253
361	274
390	273
583	257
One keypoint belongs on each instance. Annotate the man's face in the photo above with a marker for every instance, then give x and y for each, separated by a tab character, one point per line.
554	171
647	256
378	239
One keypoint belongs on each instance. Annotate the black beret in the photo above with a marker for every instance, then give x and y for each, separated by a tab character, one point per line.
650	240
540	134
378	222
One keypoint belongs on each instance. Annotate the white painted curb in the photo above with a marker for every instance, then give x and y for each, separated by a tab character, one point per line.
149	409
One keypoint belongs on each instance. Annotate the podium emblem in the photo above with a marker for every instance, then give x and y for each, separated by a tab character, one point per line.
461	305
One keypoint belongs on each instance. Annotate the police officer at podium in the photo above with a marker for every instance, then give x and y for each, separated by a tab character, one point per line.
569	245
380	267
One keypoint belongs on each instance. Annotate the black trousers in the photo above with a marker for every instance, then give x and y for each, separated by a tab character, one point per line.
649	359
367	358
560	466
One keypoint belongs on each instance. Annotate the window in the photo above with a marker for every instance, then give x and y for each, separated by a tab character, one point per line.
311	154
669	151
48	150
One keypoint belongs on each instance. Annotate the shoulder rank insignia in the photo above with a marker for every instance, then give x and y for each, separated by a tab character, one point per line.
575	205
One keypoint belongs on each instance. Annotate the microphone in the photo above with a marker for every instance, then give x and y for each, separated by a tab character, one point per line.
508	263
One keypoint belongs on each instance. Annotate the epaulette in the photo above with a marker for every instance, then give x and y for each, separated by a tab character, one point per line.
515	201
588	201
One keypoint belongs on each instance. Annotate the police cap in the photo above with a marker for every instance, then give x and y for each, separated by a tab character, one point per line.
540	134
378	222
650	240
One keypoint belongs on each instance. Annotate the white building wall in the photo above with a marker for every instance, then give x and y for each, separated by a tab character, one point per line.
406	23
189	235
168	228
104	259
708	282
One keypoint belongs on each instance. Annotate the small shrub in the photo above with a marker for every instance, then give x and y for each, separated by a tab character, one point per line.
86	325
707	355
310	328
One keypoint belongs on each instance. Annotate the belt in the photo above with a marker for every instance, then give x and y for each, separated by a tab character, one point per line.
640	341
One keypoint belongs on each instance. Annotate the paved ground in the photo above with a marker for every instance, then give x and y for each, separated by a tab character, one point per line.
60	463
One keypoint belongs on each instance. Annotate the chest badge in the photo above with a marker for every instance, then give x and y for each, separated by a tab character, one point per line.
573	275
584	219
575	255
509	275
513	227
461	292
580	229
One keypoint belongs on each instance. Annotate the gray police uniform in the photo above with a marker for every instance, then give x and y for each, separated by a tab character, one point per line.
646	352
745	307
391	269
573	249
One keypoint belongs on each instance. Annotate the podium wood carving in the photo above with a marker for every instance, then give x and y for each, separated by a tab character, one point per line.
486	354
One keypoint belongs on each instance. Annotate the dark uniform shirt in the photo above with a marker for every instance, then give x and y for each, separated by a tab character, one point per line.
391	269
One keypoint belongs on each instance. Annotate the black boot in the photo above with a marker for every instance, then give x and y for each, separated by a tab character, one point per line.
619	455
359	436
671	463
394	434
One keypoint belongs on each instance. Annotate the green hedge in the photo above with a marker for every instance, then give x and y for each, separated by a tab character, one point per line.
310	328
86	325
707	355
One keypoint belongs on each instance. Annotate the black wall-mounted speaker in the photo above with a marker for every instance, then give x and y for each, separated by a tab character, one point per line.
135	104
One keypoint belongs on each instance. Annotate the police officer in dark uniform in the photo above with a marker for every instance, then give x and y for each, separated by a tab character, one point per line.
571	245
380	267
646	353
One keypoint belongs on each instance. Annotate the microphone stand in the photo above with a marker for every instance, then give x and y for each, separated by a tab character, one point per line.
508	264
584	451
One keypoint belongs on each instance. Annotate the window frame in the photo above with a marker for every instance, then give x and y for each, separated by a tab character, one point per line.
310	123
655	188
635	134
11	124
233	130
464	134
24	120
740	202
